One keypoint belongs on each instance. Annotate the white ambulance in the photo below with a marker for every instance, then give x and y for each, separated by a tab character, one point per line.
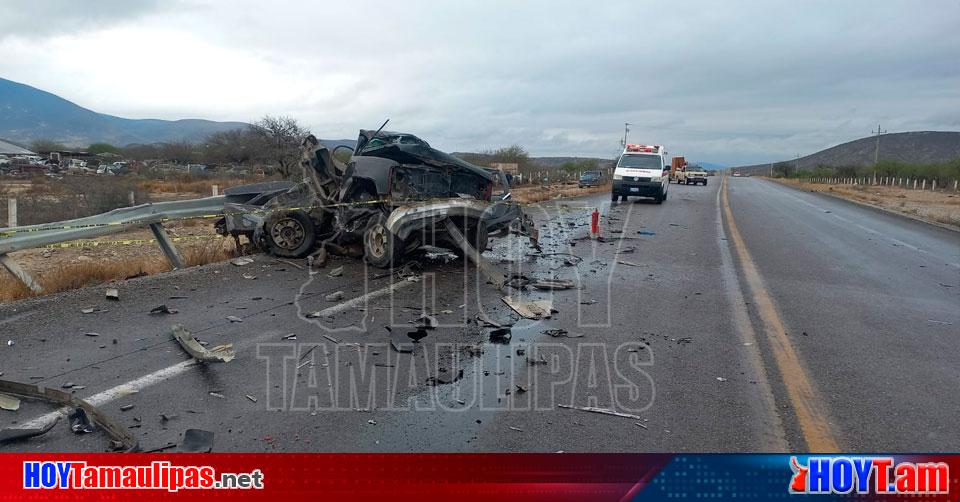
642	171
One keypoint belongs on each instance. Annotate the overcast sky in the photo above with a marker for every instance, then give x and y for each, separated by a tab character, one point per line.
728	82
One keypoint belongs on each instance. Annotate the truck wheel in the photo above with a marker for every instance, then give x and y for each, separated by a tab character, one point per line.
614	197
704	182
290	235
381	248
660	197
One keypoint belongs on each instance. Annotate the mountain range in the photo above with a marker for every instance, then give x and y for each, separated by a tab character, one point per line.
917	147
28	113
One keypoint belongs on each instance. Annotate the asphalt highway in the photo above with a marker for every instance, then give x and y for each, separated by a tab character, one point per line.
737	316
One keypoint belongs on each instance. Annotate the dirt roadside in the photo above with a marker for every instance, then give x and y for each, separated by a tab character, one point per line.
940	208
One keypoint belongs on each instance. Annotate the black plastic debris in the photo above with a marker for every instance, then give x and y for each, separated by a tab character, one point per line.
417	334
500	335
79	421
163	309
197	441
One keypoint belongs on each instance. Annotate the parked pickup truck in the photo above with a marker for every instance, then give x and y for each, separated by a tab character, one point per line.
395	194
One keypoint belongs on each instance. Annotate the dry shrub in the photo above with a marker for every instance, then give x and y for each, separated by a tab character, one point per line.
208	252
90	273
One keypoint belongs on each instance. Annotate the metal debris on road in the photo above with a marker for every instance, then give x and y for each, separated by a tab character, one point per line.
332	339
400	349
218	354
9	403
251	398
337	272
11	435
291	336
638	424
91	334
486	321
113	294
516	429
645	232
630	263
553	284
426	322
217	395
721	379
163	309
249	276
126	407
79	422
334	297
197	441
243	260
560	333
292	264
602	411
530	309
233	318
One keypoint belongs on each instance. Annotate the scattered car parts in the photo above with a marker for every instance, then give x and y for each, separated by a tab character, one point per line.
218	354
118	434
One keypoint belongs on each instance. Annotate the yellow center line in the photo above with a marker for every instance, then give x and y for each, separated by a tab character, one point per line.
811	414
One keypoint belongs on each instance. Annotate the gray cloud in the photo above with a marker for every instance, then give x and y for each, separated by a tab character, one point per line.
727	82
40	18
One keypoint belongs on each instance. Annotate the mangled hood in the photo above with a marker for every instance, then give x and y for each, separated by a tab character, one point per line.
409	149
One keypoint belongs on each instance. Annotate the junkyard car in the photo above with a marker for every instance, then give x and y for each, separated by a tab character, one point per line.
590	179
394	195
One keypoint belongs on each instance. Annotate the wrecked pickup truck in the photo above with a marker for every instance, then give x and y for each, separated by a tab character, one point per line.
394	195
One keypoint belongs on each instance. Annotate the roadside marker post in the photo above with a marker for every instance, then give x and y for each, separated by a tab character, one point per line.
11	212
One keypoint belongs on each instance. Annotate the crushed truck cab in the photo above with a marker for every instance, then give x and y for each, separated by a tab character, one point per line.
395	194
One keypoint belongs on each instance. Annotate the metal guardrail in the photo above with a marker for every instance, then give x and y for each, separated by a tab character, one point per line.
118	220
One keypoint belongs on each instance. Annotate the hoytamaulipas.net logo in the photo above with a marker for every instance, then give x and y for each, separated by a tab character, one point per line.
876	475
159	475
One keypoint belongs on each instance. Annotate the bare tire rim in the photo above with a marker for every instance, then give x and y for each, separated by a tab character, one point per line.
377	241
288	233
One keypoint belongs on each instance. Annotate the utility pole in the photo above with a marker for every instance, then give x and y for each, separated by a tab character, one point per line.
626	129
876	151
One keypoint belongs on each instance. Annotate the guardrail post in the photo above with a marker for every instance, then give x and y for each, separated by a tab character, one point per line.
11	212
132	197
166	244
20	273
215	189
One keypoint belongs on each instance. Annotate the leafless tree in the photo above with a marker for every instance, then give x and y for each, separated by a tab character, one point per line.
280	138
